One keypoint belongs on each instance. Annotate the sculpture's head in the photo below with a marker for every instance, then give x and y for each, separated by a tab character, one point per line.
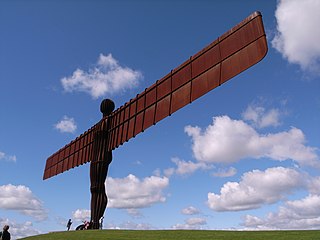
106	107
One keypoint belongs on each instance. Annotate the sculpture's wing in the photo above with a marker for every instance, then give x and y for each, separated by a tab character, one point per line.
230	54
233	52
72	155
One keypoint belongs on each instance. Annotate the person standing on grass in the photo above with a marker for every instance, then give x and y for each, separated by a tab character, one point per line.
101	222
69	224
5	235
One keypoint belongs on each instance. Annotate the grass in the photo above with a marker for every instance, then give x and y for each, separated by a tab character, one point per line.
178	235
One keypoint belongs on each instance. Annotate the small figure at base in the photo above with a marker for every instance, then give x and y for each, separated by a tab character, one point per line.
69	224
101	222
86	225
5	235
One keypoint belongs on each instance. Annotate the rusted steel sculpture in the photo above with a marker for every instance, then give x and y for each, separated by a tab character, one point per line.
238	49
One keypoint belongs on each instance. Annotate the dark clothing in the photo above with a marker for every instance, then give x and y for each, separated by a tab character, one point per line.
5	235
69	224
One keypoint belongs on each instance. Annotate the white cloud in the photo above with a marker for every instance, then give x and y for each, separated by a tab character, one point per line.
299	214
228	141
298	33
131	192
184	167
19	230
134	212
107	77
191	223
66	125
196	221
314	186
260	117
256	188
169	172
20	198
190	211
225	172
81	215
5	157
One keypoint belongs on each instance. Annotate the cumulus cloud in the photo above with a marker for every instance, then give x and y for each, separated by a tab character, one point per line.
106	77
314	186
228	141
19	230
6	157
298	214
20	198
256	188
131	192
190	211
298	33
191	223
225	172
66	125
260	117
134	212
81	215
184	167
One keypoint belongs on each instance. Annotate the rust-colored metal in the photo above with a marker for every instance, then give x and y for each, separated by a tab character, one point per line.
238	49
101	158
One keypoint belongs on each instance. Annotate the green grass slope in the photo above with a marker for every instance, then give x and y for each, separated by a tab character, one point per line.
178	235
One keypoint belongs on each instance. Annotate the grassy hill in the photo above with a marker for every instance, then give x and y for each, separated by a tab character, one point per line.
178	235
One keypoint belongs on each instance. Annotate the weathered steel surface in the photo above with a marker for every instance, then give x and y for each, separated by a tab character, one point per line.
238	49
101	158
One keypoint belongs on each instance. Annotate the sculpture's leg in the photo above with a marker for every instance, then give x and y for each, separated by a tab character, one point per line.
99	200
98	173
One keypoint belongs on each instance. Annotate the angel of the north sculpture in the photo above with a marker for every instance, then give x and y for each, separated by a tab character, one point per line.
235	51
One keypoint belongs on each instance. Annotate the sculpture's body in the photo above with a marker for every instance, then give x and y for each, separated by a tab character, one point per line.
230	54
99	165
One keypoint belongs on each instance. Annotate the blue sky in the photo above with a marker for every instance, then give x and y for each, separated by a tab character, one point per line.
244	156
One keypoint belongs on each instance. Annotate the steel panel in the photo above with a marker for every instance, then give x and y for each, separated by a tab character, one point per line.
205	82
127	111
66	159
113	130
243	59
151	96
80	157
206	60
181	97
120	127
141	102
125	132
163	108
133	106
164	87
181	76
54	169
116	128
139	122
149	117
72	147
60	167
55	158
89	153
131	128
71	164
